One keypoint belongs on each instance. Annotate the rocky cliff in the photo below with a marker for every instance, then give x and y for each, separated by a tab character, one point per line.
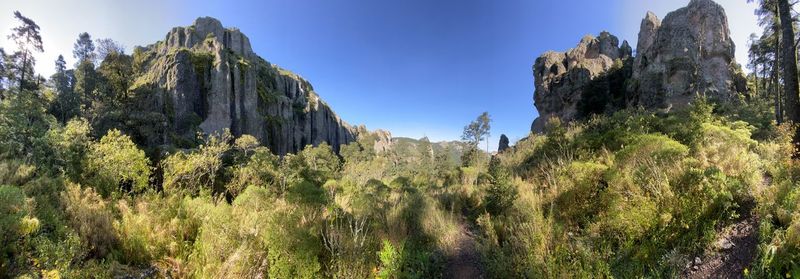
560	77
689	54
209	80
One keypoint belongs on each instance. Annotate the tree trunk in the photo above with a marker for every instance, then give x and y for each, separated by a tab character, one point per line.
22	74
791	88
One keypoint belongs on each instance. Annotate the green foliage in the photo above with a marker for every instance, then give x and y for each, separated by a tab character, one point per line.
390	261
72	142
477	130
86	82
116	163
320	163
261	169
117	72
501	193
635	195
16	225
87	213
23	129
196	170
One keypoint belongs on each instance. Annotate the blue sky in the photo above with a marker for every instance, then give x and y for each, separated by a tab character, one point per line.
413	67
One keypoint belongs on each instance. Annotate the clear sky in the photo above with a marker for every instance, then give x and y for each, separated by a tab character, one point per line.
413	67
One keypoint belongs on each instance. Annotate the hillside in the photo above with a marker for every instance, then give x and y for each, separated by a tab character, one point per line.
195	158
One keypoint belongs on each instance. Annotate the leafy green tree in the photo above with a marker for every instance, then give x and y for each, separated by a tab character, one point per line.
24	124
246	144
87	81
3	72
320	163
116	163
29	40
84	48
261	170
72	144
478	130
117	75
197	170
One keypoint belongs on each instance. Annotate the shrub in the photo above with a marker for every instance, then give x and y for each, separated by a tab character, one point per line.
115	163
261	169
72	143
156	229
16	225
196	170
88	215
390	261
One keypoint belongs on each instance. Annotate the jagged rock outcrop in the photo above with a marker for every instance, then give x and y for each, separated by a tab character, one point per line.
560	77
690	53
209	79
503	144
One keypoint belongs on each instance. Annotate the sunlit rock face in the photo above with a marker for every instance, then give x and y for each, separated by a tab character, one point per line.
560	77
210	80
688	54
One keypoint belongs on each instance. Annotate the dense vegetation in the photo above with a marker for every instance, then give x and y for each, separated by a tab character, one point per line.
628	194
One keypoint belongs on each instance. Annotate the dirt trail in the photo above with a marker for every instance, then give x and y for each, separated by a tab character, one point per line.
732	252
465	263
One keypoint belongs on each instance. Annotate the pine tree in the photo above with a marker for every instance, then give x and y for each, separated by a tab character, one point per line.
28	40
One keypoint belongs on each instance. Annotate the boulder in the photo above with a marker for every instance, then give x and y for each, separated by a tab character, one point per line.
503	145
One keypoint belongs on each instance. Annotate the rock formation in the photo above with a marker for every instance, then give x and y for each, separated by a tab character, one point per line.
503	145
560	77
209	79
690	53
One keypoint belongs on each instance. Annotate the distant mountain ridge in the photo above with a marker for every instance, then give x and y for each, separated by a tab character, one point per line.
410	147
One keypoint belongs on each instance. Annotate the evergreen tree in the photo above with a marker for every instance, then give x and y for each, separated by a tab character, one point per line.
84	49
67	104
28	40
86	81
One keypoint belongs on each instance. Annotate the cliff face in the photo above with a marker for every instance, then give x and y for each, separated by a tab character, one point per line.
689	54
209	80
561	77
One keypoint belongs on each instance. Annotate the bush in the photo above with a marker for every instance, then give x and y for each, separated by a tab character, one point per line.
72	143
196	170
116	164
261	169
156	229
16	226
88	215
